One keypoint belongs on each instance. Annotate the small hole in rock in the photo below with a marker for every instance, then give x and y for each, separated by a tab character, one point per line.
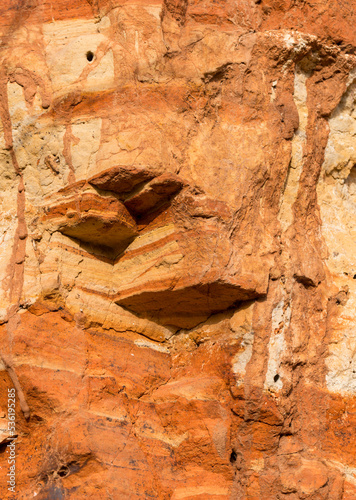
90	56
36	418
276	378
63	471
233	456
3	447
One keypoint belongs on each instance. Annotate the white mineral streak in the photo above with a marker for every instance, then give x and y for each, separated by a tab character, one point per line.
277	346
298	144
337	200
241	324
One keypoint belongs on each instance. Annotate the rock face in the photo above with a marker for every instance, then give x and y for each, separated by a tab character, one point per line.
178	270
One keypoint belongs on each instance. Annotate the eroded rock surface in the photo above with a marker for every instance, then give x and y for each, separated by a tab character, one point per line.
178	273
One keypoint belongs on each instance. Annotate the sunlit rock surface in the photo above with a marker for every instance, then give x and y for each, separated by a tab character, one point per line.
178	236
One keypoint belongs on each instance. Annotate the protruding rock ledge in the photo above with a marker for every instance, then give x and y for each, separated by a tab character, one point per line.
122	178
185	307
93	219
182	267
157	192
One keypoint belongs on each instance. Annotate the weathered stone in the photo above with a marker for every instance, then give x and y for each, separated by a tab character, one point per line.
177	232
93	219
154	194
121	179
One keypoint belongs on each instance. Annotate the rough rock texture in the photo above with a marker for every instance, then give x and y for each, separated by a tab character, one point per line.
178	270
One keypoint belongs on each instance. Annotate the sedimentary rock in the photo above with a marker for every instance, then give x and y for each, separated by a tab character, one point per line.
178	200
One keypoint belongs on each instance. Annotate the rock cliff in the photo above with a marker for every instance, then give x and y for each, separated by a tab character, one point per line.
178	269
